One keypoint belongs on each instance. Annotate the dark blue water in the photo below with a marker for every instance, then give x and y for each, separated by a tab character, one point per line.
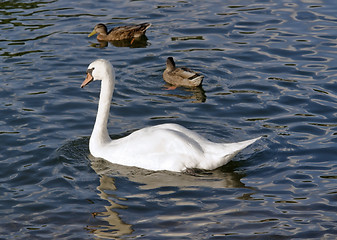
270	70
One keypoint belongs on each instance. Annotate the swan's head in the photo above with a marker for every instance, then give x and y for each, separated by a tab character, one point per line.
99	69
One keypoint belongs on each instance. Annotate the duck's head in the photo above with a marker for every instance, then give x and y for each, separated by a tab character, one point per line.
99	69
170	64
99	28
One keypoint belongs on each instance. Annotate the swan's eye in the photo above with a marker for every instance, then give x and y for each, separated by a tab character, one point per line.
90	71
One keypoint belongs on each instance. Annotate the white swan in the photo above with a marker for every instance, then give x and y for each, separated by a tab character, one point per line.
162	147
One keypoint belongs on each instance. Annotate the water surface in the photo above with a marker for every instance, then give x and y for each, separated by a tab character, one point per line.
270	71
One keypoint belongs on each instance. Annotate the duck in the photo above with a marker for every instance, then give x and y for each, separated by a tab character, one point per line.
119	33
164	147
184	77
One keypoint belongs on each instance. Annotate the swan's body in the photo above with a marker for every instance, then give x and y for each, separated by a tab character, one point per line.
181	76
119	33
163	147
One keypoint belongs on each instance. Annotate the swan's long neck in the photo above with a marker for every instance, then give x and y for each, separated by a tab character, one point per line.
100	133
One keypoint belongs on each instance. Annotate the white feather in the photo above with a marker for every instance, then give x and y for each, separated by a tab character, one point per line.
163	147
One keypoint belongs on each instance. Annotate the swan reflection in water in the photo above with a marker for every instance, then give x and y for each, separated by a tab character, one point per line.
157	179
147	180
109	223
115	227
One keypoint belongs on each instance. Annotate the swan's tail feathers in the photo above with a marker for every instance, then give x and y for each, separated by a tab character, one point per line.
226	152
244	144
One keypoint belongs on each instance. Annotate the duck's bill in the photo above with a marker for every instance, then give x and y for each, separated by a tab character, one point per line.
92	33
87	80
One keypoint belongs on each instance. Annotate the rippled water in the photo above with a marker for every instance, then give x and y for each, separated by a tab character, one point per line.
270	70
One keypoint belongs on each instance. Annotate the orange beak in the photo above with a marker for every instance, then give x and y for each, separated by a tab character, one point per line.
87	80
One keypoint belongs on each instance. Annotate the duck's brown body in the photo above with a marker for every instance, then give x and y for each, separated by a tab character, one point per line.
181	76
119	33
